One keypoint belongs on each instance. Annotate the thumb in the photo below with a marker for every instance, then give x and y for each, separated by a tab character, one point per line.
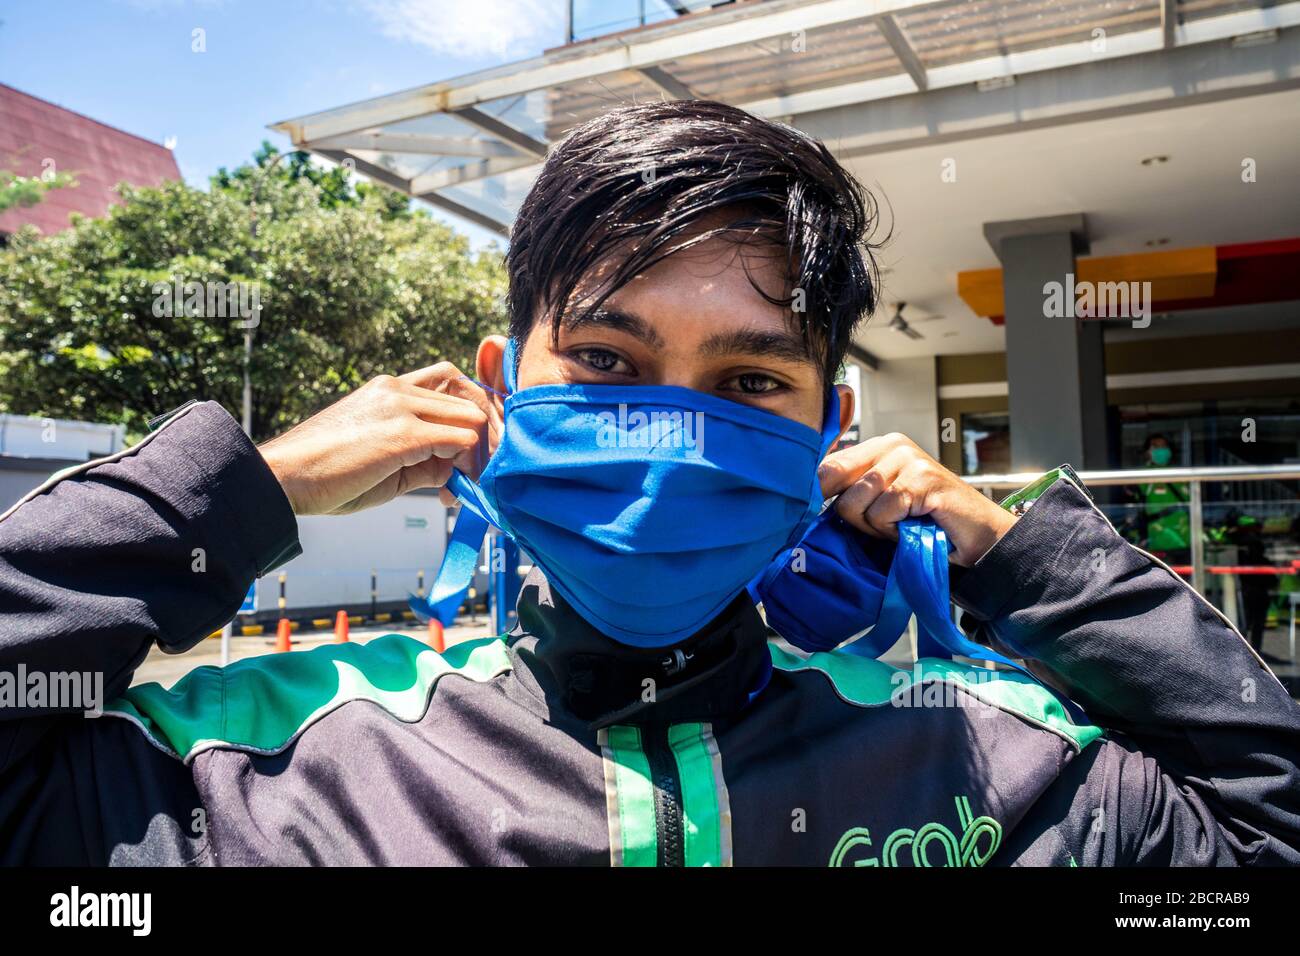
835	474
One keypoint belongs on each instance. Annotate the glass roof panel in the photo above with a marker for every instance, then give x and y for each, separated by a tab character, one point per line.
975	29
435	124
942	34
788	64
498	196
1189	10
550	113
410	165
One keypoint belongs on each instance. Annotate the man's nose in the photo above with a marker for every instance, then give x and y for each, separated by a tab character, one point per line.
679	372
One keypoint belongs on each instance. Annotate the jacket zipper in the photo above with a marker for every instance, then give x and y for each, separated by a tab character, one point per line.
668	798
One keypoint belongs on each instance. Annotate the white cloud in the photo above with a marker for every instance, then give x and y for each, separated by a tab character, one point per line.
471	28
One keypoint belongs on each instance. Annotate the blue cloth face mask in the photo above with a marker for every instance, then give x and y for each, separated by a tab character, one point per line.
649	508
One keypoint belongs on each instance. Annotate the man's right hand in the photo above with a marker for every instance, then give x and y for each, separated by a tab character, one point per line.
391	436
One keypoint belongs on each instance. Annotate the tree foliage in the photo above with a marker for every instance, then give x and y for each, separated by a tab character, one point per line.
350	281
22	192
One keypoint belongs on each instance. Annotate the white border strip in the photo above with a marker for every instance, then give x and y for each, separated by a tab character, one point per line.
1184	376
611	798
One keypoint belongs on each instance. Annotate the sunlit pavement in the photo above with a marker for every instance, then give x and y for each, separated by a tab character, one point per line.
166	669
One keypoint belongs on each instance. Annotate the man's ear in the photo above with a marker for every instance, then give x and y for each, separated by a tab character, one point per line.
489	364
847	401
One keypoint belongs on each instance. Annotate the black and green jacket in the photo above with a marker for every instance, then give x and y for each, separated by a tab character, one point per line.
554	745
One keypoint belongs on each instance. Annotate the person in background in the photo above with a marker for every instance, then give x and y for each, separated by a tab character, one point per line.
1165	506
1245	532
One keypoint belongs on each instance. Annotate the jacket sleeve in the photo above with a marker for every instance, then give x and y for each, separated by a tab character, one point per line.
1204	762
156	544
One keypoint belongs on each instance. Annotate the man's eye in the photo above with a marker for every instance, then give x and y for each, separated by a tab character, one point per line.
600	360
753	384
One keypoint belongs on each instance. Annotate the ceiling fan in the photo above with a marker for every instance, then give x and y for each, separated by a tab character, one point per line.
902	323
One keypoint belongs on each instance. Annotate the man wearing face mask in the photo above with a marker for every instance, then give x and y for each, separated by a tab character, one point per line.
1168	527
654	432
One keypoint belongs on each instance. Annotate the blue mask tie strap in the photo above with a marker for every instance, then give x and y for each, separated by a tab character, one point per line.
463	548
918	584
921	570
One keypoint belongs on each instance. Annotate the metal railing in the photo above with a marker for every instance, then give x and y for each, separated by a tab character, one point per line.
1195	478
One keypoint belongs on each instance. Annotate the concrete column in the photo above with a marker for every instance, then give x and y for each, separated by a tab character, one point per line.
1056	370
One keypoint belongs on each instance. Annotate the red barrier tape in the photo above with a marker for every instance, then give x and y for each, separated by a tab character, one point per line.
1186	569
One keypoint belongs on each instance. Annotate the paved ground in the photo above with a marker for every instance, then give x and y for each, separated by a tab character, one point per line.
166	669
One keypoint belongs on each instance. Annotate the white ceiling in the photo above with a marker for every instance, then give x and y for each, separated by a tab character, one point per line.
1197	198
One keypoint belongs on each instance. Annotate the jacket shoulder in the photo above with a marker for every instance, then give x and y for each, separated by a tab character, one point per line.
262	704
867	682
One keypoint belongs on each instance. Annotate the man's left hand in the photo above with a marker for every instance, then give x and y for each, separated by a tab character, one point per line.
886	479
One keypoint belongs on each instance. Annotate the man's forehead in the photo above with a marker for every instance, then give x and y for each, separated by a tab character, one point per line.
716	276
705	289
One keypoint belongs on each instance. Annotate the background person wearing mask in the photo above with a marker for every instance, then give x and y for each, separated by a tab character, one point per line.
1167	524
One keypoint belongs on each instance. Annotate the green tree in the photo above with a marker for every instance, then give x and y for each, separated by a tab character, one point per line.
351	283
24	191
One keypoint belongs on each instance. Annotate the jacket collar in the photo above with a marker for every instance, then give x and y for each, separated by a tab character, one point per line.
710	675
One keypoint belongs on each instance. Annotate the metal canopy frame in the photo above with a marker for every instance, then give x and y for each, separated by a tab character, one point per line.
464	144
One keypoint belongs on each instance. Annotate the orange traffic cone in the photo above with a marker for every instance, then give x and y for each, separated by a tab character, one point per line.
436	639
341	628
282	633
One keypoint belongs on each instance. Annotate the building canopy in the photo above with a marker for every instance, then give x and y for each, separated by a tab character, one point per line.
471	145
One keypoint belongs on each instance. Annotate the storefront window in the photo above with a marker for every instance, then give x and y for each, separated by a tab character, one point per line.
1256	431
1251	529
986	443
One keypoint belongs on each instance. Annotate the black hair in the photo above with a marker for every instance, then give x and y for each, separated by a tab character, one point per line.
631	187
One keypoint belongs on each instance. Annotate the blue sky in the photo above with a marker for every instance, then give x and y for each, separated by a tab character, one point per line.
129	63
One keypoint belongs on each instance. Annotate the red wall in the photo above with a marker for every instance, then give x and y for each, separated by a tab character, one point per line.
99	156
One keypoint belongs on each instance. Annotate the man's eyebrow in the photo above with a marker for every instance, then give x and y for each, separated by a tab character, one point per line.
767	343
632	325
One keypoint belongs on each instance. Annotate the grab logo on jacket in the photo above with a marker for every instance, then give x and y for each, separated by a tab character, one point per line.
932	845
